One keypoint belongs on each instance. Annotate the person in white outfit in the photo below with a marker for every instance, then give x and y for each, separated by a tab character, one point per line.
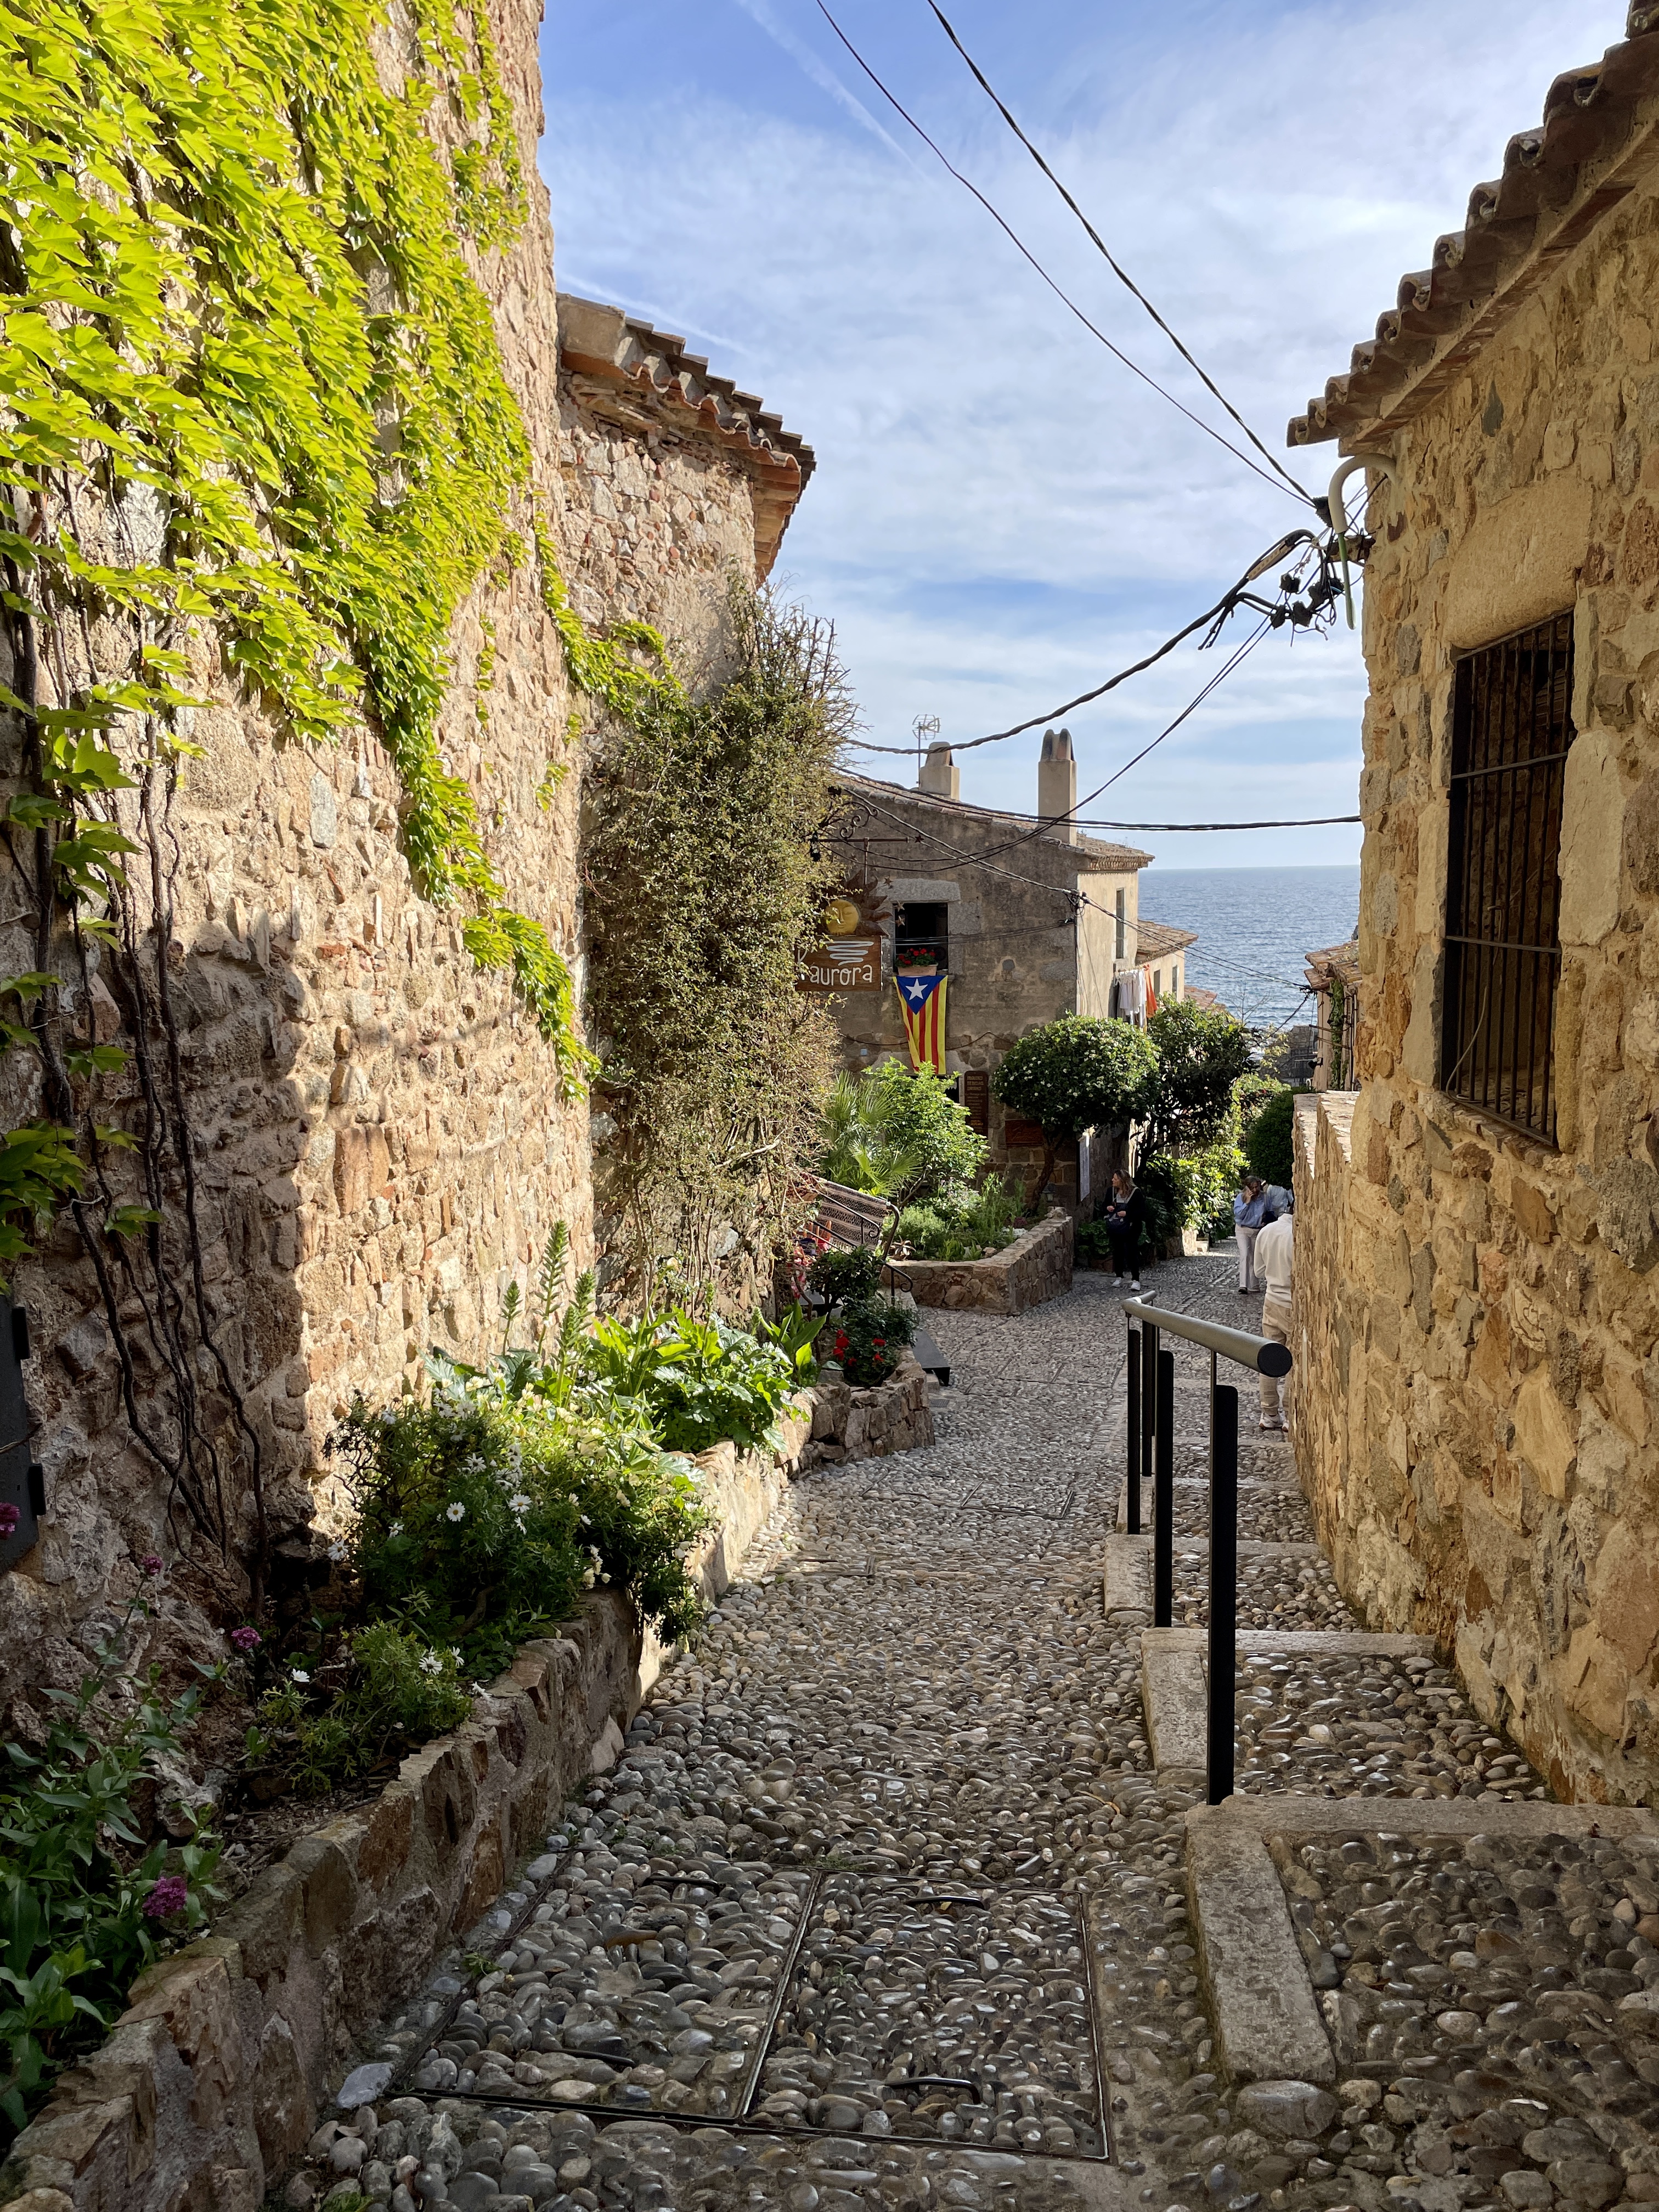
1274	1252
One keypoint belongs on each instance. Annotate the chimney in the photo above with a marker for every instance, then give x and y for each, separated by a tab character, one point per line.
939	773
1057	783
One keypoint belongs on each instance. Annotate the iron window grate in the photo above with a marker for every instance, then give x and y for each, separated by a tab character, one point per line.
1511	728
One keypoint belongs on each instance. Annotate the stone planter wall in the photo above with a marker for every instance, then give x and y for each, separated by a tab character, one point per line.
1036	1267
848	1424
211	2081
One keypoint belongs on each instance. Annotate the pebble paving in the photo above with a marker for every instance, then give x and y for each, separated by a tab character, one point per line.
884	1906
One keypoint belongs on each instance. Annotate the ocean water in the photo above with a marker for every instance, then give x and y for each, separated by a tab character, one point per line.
1255	927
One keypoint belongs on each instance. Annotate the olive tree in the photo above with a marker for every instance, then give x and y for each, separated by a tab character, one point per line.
1073	1074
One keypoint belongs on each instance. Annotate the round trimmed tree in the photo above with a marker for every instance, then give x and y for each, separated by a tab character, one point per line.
1077	1073
1201	1052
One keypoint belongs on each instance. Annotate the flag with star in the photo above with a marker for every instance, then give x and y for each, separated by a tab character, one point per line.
921	998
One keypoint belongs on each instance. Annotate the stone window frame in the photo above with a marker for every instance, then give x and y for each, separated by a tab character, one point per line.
1511	940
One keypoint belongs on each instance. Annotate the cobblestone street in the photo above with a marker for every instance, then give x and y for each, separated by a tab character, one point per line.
884	1905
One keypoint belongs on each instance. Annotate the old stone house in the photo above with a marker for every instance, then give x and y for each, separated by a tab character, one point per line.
1028	917
1477	1394
383	1144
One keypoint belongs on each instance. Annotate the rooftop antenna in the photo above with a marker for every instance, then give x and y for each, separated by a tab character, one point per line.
924	726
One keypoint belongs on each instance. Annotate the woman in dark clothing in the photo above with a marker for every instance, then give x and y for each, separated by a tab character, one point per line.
1126	1226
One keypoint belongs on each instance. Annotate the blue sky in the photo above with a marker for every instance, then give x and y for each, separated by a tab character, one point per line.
1001	514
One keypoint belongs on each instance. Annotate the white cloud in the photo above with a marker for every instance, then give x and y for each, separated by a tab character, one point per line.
1001	515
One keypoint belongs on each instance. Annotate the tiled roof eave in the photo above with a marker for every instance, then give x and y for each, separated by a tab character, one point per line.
1598	142
613	356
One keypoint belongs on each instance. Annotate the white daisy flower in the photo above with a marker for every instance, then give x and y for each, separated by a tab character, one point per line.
301	1675
456	1512
519	1501
336	1551
431	1665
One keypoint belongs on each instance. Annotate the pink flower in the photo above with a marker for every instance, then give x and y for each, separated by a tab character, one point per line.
10	1517
152	1562
245	1639
170	1895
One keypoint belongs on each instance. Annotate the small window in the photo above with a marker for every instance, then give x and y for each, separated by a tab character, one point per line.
920	937
1157	982
1121	918
1511	729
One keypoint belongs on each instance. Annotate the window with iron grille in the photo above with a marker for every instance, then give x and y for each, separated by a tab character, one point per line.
1511	728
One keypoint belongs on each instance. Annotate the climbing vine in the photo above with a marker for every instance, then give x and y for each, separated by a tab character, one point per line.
254	424
702	891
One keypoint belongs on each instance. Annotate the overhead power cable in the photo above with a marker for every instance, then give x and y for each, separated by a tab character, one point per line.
1045	822
1307	822
1280	481
1238	595
1112	262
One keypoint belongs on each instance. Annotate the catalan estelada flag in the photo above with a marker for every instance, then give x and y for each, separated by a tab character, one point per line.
922	1000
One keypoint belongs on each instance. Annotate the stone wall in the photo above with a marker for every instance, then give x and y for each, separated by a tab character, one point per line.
1489	1304
379	1139
850	1424
383	1146
213	2080
1035	1267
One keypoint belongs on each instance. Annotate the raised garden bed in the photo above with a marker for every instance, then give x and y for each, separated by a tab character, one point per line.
212	2080
1035	1267
850	1424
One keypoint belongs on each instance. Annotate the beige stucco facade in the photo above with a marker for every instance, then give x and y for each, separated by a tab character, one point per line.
1477	1387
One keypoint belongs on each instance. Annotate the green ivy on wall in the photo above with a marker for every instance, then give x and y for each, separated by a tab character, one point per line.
247	380
252	406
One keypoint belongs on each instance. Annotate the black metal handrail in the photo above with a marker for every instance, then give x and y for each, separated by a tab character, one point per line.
1152	1452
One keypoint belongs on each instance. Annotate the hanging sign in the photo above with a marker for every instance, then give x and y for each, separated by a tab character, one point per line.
845	964
849	959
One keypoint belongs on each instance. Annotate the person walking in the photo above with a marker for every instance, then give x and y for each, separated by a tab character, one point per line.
1125	1227
1249	1216
1274	1246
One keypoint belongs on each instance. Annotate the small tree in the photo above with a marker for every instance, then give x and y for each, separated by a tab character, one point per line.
1074	1074
1201	1052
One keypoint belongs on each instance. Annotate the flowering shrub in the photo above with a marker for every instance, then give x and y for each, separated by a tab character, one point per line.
360	1699
551	1501
869	1337
85	1905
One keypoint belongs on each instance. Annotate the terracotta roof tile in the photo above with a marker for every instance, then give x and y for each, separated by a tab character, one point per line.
614	351
1155	938
1596	142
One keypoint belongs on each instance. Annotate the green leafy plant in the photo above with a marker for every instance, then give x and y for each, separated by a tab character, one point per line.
898	1135
1201	1052
702	895
794	1333
491	1518
967	1227
1075	1075
1268	1142
340	1707
846	1277
85	1903
867	1338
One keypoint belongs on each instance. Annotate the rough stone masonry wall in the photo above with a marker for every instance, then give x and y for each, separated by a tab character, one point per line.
382	1144
1495	1477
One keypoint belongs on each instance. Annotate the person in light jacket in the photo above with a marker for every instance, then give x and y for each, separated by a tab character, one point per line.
1249	1216
1274	1247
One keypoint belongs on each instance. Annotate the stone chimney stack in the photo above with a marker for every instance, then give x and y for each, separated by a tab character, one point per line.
939	773
1057	782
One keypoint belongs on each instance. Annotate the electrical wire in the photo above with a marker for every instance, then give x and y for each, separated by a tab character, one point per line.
1105	251
1281	482
1307	822
1046	822
1229	599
